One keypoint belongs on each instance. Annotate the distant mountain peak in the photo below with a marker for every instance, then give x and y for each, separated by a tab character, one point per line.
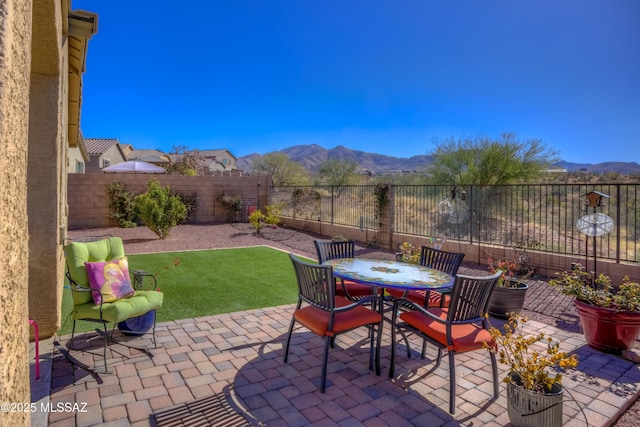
312	155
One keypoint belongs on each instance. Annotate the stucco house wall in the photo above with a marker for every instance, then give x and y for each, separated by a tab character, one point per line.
77	157
15	50
77	163
223	161
36	99
220	160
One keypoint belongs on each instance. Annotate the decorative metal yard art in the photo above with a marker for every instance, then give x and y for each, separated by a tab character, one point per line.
454	211
594	224
454	208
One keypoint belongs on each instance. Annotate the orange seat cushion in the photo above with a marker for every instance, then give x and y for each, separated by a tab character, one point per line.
419	296
355	289
464	337
317	320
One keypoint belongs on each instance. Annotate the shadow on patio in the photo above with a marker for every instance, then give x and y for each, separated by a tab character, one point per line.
212	370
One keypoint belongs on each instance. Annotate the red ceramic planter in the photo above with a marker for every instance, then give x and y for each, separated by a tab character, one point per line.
608	330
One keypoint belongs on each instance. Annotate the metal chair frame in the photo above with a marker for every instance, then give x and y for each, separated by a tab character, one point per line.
447	262
138	278
469	299
336	249
316	290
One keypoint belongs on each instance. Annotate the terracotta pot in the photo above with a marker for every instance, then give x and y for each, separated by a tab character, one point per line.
608	330
506	300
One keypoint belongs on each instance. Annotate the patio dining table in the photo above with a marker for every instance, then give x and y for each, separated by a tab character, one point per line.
390	274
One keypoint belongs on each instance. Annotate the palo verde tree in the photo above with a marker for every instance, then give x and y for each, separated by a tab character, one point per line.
160	210
485	161
282	169
338	172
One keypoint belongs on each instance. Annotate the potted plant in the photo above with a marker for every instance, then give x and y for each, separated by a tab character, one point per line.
534	383
510	292
610	318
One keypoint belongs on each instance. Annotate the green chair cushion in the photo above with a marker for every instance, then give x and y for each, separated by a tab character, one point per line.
77	253
140	303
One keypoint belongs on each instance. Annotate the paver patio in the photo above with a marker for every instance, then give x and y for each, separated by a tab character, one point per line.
213	368
235	360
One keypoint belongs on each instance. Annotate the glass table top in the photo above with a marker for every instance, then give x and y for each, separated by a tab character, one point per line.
390	274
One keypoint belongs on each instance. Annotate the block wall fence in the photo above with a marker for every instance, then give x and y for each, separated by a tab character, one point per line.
88	199
88	207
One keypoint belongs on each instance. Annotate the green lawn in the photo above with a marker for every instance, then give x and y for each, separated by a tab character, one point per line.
211	282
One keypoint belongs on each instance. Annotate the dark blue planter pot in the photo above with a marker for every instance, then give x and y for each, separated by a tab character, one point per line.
138	325
506	300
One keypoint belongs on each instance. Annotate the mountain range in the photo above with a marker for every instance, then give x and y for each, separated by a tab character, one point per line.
310	156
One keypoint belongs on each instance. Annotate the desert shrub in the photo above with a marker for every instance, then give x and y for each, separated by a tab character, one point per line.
159	209
306	203
273	213
233	205
121	205
190	202
257	220
272	217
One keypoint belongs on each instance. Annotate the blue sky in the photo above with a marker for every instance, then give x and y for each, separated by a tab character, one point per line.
388	77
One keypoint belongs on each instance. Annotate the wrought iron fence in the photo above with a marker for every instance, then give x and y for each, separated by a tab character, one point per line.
540	216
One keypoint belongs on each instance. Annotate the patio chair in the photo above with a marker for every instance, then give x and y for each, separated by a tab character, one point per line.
101	287
328	315
329	249
448	262
459	328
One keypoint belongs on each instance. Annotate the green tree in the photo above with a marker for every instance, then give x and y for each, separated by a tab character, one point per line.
485	161
187	162
283	170
160	210
122	205
338	172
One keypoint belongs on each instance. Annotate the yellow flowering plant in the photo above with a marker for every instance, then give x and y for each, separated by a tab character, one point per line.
598	290
529	363
408	253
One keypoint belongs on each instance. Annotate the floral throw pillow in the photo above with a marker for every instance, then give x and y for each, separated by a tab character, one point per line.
109	280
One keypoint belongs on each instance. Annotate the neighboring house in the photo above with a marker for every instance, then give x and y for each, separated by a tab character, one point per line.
215	160
77	157
103	152
219	160
155	157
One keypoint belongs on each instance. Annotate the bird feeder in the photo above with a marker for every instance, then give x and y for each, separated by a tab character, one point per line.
595	224
594	199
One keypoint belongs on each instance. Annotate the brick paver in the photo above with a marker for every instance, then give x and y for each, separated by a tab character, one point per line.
250	372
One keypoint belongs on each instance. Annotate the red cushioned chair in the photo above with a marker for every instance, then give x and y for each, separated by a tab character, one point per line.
329	249
459	328
448	262
328	315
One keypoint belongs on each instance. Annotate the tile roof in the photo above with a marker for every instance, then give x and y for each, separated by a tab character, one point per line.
99	145
208	155
215	153
152	156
